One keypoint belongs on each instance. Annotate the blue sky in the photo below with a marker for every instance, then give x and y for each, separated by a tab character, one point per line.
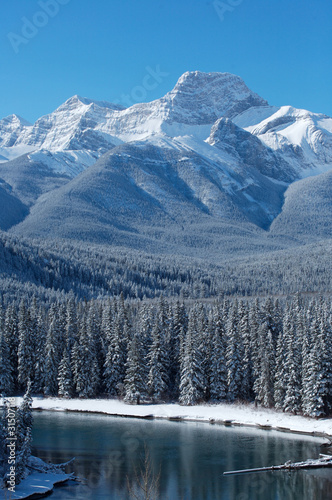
106	50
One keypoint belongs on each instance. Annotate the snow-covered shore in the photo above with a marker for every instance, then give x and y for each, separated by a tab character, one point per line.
235	414
36	484
40	481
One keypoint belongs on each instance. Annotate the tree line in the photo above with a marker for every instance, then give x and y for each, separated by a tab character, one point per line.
275	354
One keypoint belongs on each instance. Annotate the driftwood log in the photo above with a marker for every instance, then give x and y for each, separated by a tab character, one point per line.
322	461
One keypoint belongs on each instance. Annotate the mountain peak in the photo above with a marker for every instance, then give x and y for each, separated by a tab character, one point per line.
208	96
15	120
200	78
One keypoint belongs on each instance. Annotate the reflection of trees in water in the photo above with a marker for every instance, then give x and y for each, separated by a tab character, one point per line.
192	459
302	484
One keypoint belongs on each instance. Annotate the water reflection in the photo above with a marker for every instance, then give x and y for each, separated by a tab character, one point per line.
191	458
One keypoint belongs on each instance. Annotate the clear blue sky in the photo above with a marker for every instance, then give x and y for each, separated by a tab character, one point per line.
101	49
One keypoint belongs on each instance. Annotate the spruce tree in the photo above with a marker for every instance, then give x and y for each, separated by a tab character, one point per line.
65	377
6	376
26	347
192	388
246	389
135	383
264	383
114	366
40	369
54	346
85	364
158	365
12	339
292	369
234	355
218	371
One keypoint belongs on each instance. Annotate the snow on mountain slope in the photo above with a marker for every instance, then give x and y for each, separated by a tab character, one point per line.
28	178
258	195
303	138
150	197
307	211
11	128
249	150
76	124
68	162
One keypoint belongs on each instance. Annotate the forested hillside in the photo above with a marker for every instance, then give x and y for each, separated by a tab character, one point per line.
58	270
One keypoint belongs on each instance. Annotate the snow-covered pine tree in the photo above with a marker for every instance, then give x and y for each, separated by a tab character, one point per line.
71	329
264	383
246	389
6	370
26	347
40	332
65	376
85	364
192	388
144	331
174	350
158	363
234	354
54	346
12	339
218	371
255	320
272	315
315	391
107	318
135	383
326	332
204	346
293	365
93	321
114	366
306	353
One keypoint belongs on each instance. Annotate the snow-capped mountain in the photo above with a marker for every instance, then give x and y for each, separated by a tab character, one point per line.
208	162
197	100
303	138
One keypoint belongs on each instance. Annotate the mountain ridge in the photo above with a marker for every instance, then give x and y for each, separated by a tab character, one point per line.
209	165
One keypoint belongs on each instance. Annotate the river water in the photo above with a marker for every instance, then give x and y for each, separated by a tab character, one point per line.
188	457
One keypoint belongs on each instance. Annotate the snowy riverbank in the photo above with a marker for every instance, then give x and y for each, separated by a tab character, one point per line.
39	483
36	484
236	414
